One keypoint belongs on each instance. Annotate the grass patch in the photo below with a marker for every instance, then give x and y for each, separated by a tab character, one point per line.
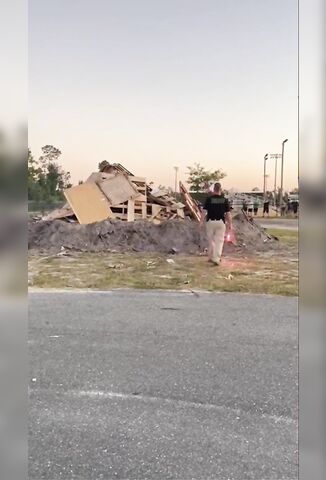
287	237
104	271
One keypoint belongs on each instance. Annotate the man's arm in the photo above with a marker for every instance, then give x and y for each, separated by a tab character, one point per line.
228	216
204	212
228	219
203	216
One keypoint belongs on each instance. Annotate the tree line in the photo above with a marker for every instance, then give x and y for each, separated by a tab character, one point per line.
46	178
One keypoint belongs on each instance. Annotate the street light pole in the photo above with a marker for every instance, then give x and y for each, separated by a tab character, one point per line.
282	166
176	179
275	177
276	156
265	159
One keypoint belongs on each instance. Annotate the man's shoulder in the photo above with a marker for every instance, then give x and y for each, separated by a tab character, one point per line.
218	199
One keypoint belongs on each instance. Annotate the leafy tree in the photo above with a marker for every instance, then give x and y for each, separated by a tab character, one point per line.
51	154
199	178
34	189
46	178
51	176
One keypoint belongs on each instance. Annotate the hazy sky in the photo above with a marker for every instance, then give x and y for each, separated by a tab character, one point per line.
154	84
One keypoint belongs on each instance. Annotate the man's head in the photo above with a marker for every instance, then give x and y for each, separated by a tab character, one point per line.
217	187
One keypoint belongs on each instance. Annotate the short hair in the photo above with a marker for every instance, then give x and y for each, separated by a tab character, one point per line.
217	187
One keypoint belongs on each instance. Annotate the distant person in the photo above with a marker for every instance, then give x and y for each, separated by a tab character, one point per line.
245	206
283	209
295	207
256	206
216	213
250	209
266	207
289	206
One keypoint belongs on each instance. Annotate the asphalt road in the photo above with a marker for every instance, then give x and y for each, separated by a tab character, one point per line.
152	385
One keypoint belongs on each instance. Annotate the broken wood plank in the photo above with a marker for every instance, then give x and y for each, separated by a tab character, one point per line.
63	212
144	210
180	212
156	210
141	198
131	211
134	179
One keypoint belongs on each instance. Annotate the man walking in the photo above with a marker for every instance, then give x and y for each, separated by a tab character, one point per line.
256	206
295	206
245	206
266	207
217	209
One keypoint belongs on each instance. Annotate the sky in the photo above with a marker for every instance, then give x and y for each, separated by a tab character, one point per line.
158	84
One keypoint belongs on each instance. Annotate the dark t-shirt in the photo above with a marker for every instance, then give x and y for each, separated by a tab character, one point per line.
216	207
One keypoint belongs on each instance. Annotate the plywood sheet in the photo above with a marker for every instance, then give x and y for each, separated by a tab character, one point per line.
88	203
118	189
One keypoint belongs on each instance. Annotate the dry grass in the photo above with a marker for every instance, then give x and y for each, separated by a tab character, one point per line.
272	273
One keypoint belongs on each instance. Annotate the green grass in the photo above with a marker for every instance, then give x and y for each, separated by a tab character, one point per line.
286	237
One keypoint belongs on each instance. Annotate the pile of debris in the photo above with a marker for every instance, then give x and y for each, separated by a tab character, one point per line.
172	236
101	214
114	193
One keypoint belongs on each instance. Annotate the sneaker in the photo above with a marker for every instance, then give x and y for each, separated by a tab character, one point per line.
216	262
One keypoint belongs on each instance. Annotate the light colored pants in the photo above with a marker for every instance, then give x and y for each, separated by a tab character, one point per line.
215	233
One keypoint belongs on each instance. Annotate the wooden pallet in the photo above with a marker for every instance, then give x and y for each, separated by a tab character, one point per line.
160	213
130	211
135	208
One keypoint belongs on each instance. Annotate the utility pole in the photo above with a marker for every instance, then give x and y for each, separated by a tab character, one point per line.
275	177
282	166
265	160
276	156
176	180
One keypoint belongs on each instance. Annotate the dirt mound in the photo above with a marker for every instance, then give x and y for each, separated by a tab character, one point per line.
172	236
250	235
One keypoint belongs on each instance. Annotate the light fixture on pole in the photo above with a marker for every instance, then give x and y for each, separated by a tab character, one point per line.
265	160
176	179
282	167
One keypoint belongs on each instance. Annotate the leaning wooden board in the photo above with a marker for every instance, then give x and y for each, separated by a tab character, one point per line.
88	203
190	202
